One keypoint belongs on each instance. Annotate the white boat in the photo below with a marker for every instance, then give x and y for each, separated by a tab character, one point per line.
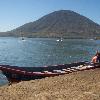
59	40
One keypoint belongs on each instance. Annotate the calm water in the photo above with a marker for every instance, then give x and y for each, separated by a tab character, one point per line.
44	51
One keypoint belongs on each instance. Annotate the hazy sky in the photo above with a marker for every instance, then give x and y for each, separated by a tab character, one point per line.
14	13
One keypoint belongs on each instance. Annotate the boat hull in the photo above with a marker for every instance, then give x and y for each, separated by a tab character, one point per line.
17	74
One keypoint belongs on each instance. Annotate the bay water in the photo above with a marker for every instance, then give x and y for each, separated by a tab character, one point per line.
44	51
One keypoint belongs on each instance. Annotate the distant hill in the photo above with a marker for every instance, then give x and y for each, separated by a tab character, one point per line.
63	23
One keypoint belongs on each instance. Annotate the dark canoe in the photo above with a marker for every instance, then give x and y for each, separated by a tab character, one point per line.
17	74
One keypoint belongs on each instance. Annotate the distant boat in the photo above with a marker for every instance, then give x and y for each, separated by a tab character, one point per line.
91	39
22	36
59	40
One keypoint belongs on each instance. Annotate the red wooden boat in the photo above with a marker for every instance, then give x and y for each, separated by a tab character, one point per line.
17	74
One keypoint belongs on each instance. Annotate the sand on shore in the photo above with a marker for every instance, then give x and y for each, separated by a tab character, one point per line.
83	85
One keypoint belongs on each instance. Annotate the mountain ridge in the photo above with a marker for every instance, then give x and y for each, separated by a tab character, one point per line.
62	23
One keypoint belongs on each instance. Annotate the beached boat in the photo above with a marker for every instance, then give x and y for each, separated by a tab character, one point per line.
17	74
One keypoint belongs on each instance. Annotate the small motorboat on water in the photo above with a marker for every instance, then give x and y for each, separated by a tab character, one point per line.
59	40
17	74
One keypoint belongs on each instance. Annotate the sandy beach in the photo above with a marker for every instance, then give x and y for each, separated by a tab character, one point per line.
82	85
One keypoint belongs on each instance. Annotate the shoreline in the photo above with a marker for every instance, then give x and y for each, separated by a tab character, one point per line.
53	37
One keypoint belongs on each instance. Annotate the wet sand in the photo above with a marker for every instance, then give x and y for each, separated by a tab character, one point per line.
82	85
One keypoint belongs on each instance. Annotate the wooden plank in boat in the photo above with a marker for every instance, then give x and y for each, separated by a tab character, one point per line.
59	71
67	70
